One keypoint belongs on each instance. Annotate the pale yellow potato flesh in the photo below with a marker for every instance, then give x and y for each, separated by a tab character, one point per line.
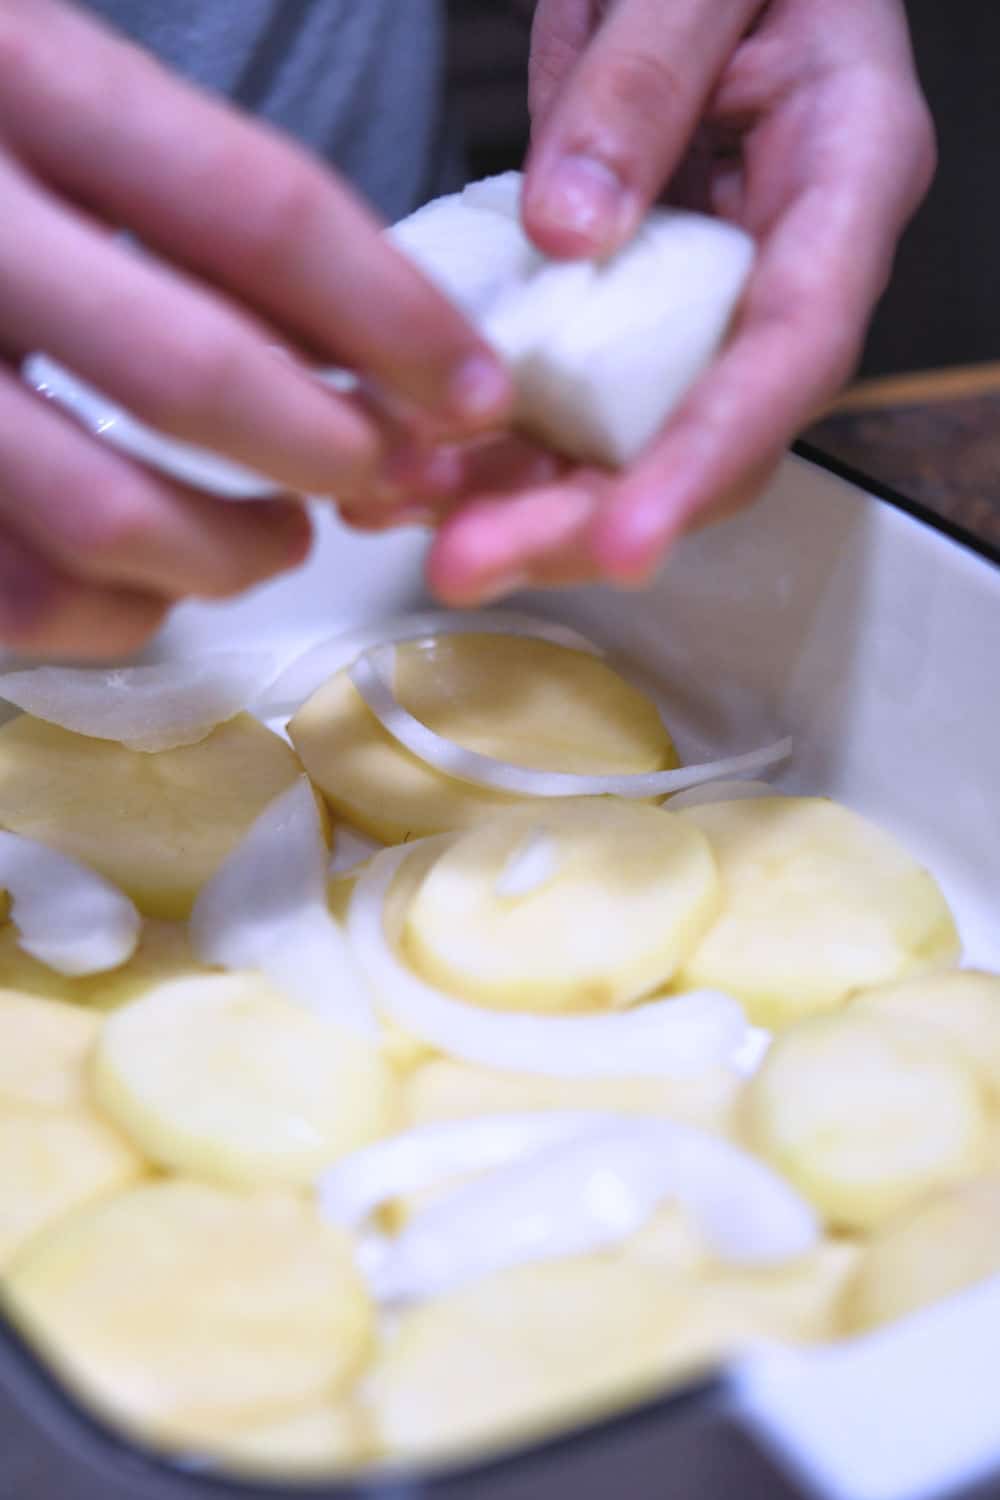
318	1440
222	1077
516	699
181	1308
944	1245
818	904
157	825
164	952
961	1008
45	1046
631	891
865	1117
52	1162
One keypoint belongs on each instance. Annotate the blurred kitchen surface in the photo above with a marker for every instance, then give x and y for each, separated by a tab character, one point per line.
938	439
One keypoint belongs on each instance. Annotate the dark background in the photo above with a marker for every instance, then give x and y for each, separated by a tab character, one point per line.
943	307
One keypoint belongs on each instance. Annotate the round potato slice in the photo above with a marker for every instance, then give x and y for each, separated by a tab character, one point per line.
818	904
178	1307
511	697
52	1162
865	1117
164	952
945	1245
961	1008
320	1440
517	1351
224	1078
619	894
44	1048
158	825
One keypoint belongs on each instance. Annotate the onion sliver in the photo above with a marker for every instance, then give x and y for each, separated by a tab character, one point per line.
315	666
352	1190
157	707
671	1038
483	770
591	1191
265	909
67	916
720	791
350	849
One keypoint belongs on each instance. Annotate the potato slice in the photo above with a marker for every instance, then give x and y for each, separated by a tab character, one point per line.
519	1350
177	1307
54	1161
223	1077
819	903
158	825
865	1117
164	952
961	1008
44	1048
319	1440
511	697
626	892
944	1245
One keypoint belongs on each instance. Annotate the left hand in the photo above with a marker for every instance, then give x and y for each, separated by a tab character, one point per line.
801	120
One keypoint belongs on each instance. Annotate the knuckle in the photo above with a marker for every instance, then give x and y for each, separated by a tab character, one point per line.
280	196
116	529
645	84
190	381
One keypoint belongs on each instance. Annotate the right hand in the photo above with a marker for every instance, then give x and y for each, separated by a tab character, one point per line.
258	246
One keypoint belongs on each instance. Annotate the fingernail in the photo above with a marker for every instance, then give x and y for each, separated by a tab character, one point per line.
480	389
586	197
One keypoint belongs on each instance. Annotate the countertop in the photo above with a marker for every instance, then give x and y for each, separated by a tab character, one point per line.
934	436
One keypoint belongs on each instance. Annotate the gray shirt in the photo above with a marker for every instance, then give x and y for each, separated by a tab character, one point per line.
360	81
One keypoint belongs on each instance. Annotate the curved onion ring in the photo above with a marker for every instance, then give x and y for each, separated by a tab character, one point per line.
673	1037
483	770
67	916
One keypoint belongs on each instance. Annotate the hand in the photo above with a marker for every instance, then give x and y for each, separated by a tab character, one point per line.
801	120
258	247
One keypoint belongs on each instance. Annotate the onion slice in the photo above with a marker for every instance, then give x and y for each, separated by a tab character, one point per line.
67	916
672	1038
456	761
721	791
265	908
591	1190
316	665
156	707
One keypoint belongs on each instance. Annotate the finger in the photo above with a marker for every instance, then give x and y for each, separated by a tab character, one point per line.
95	514
45	612
437	479
177	357
624	119
243	208
559	34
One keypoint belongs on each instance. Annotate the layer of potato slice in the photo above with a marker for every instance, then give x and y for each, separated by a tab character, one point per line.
516	699
164	952
182	1308
864	1116
625	893
158	825
52	1162
819	903
44	1049
318	1440
944	1245
222	1077
960	1007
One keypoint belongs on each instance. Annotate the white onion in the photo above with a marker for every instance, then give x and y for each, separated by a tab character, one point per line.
483	770
721	791
352	1190
590	1191
67	916
315	666
350	849
156	707
265	908
663	1038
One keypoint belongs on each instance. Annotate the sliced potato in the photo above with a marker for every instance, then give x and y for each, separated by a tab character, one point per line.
960	1007
158	825
224	1078
54	1161
865	1117
179	1307
164	952
942	1246
818	904
510	697
511	1353
44	1048
319	1440
625	892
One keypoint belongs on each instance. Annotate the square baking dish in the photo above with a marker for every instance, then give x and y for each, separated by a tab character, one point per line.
871	633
